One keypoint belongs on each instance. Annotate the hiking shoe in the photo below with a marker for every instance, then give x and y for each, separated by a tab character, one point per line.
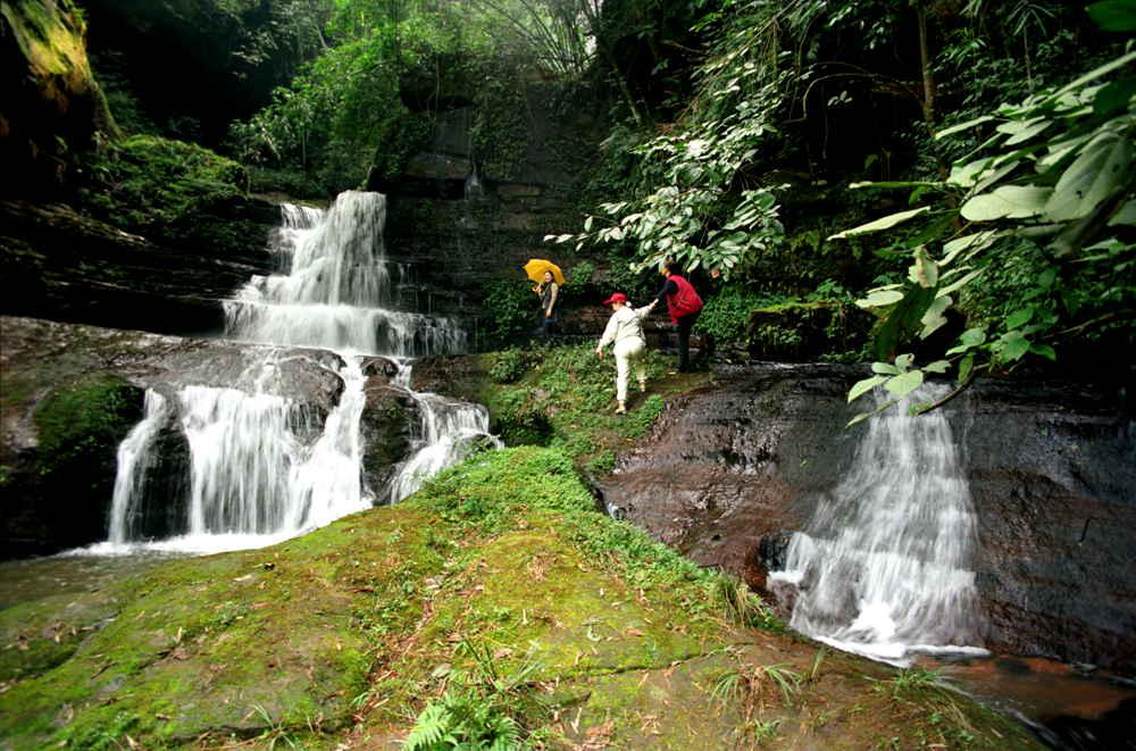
621	409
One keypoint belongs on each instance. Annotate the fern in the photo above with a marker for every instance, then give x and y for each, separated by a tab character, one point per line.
429	729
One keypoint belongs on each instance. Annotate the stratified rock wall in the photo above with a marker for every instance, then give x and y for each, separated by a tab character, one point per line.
466	221
1051	466
59	264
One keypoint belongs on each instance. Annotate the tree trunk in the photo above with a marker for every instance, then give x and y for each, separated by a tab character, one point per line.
925	64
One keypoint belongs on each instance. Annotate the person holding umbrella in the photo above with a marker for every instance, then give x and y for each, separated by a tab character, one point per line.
549	278
625	332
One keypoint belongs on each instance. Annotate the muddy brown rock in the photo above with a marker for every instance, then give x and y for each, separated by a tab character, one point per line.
1051	467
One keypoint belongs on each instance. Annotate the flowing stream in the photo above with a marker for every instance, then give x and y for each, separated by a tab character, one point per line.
262	467
883	568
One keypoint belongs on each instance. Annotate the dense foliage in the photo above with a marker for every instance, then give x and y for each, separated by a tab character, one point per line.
1045	205
797	102
146	182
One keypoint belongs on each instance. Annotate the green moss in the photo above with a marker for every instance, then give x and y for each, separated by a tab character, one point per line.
146	182
807	329
84	420
498	582
565	397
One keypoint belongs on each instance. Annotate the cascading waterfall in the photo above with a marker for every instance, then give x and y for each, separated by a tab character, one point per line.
255	475
133	453
447	431
338	292
883	566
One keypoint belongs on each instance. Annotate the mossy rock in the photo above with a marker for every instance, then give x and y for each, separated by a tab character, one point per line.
78	424
497	568
61	490
798	331
52	106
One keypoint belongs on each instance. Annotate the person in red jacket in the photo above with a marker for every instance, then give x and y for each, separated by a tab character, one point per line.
684	305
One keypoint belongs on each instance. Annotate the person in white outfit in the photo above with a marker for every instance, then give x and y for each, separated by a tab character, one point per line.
625	331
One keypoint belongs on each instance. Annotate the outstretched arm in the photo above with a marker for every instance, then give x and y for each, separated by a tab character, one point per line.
644	311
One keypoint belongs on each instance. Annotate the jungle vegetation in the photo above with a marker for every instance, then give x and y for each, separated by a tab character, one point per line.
951	178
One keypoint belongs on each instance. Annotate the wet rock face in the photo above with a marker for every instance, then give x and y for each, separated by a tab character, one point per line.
387	427
58	264
1051	469
726	467
72	393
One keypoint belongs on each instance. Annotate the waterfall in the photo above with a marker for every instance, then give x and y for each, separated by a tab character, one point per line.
133	453
337	292
261	467
883	566
447	431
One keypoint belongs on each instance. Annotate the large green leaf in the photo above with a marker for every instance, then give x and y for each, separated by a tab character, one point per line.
1007	202
960	127
1023	130
966	175
904	383
968	244
1114	15
882	223
1092	75
880	298
1012	346
1126	214
862	387
934	319
968	340
1091	179
1114	98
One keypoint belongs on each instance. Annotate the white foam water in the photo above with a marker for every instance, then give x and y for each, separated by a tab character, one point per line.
255	474
133	453
883	568
447	432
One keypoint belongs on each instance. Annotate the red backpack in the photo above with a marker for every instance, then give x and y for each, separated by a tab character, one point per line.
684	302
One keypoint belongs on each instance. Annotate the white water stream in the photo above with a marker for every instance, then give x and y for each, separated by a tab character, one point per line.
260	469
883	568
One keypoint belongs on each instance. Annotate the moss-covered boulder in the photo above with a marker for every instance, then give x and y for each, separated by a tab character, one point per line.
496	602
61	490
51	106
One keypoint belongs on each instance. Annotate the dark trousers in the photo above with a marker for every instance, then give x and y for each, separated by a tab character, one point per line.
685	324
546	326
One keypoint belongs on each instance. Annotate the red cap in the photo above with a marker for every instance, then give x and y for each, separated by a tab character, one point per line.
616	297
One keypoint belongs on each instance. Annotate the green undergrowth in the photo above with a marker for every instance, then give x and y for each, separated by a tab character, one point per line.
145	183
565	397
496	606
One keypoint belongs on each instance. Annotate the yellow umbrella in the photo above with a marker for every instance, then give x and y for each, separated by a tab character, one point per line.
536	267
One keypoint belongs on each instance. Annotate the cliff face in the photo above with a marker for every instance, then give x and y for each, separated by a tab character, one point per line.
469	213
59	264
50	105
1050	468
